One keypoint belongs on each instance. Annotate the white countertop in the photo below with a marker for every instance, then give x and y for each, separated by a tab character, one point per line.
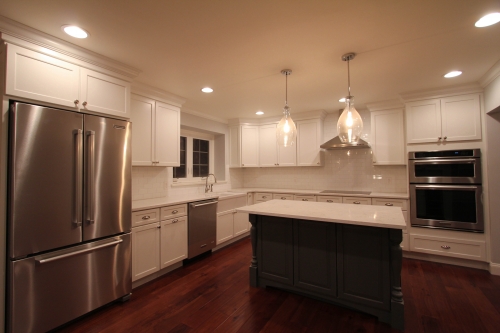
317	192
364	215
180	199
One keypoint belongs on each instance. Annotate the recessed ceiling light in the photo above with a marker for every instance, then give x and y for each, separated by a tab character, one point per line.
75	31
452	74
342	100
259	113
207	90
488	20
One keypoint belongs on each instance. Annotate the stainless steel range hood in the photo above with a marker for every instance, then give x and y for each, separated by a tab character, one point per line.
335	143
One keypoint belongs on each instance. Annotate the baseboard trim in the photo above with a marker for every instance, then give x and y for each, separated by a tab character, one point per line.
231	241
449	260
155	275
494	268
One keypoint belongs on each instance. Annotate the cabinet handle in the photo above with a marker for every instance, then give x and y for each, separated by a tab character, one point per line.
329	200
84	103
242	164
147	217
446	247
278	164
356	202
305	199
283	198
389	204
264	197
175	211
158	227
76	101
317	163
175	221
439	138
445	138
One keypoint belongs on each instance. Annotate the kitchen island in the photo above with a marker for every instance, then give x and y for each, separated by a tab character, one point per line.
348	255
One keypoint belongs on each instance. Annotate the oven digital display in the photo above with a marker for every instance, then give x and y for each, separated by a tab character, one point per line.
444	170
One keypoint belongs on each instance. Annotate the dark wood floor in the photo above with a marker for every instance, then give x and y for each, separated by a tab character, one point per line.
212	295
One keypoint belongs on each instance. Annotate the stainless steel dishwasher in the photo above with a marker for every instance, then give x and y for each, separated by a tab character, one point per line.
202	224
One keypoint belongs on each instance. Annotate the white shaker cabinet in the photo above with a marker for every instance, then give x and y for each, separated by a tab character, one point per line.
309	138
270	153
244	146
155	134
388	141
231	224
174	241
455	118
45	78
145	250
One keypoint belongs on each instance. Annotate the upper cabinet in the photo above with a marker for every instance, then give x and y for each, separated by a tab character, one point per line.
155	132
455	118
40	77
387	137
270	153
309	138
244	146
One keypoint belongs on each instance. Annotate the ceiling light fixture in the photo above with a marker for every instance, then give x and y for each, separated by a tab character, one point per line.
259	113
488	20
207	90
342	100
350	124
452	74
286	132
75	31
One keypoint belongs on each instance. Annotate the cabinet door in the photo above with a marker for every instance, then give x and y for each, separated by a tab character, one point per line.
287	156
167	135
423	121
362	252
39	77
234	147
142	115
461	118
240	223
104	94
315	257
309	137
249	146
268	149
225	229
275	250
174	241
388	137
145	250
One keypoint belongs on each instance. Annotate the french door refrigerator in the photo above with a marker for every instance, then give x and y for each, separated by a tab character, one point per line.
69	215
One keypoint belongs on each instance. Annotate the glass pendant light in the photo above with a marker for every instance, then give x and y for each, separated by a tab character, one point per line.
286	132
350	124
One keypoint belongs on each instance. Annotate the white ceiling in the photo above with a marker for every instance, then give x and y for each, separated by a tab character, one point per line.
239	47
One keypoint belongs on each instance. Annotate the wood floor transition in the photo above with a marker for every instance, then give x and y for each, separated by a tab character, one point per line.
212	295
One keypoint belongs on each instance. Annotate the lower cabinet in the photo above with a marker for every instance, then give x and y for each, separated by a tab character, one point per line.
145	250
334	261
231	224
174	237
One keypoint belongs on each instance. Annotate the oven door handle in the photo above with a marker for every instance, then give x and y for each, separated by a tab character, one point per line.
451	187
449	161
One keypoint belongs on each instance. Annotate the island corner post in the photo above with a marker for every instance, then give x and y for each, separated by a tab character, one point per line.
386	301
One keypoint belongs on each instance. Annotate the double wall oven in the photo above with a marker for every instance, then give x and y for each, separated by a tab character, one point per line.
446	189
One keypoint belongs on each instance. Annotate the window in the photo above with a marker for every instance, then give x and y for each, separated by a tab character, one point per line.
196	160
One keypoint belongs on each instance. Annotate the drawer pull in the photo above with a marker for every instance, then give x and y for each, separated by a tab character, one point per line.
329	200
356	202
175	212
175	221
264	197
147	217
305	199
389	204
446	247
158	227
283	198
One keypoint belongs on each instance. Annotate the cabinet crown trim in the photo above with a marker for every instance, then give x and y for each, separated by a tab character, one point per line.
160	95
473	88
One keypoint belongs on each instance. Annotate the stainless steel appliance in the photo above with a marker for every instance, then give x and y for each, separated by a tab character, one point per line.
446	189
69	217
202	224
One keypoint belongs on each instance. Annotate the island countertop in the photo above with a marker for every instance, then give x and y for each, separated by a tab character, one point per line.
363	215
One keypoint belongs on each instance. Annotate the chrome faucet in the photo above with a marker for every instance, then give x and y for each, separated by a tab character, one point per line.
209	188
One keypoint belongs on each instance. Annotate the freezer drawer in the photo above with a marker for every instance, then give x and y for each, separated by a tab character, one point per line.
49	290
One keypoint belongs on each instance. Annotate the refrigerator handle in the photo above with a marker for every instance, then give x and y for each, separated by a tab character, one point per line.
90	176
78	134
71	254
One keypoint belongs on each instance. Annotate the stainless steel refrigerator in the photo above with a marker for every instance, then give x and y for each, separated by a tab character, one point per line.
69	215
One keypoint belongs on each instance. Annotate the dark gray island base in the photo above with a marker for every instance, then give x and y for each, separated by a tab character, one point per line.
357	267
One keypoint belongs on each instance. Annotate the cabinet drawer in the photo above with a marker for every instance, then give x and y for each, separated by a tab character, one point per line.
263	196
329	199
304	197
357	201
390	202
231	203
283	196
142	217
450	247
174	220
173	211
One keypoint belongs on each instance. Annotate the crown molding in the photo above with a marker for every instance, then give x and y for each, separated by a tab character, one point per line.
490	75
385	105
204	115
321	114
16	33
158	94
439	93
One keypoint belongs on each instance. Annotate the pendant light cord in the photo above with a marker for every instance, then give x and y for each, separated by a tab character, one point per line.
286	89
348	79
